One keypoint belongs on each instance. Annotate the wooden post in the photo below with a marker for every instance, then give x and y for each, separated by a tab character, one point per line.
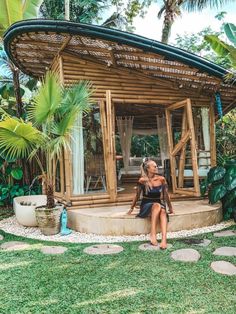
170	144
212	134
111	152
183	152
193	148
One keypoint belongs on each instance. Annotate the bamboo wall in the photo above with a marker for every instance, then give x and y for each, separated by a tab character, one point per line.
124	86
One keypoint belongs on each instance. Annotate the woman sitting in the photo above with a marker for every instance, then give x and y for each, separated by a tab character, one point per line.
151	185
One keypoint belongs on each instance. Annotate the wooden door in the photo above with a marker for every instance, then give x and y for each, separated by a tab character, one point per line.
179	148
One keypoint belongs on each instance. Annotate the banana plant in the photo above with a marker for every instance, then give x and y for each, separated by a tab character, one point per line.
222	48
51	120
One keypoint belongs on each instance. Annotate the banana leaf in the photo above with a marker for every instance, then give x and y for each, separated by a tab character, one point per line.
230	31
230	178
11	12
215	174
216	193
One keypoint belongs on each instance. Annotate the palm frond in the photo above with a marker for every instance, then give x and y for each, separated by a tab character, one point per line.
46	101
18	139
199	5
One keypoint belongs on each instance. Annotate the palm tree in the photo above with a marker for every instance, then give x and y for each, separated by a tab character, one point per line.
51	120
171	9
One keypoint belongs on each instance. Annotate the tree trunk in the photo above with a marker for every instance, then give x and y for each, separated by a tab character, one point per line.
16	82
67	10
167	24
50	195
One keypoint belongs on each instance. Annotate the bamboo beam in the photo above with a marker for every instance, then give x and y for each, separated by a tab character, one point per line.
181	143
177	105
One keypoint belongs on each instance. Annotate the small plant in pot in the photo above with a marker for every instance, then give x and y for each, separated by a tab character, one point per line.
47	131
221	186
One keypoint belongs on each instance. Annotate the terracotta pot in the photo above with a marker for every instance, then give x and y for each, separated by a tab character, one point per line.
48	219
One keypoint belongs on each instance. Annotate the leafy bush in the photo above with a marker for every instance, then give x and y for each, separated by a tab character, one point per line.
221	186
10	183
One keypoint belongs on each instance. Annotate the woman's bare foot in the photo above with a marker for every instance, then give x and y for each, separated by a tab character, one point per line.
153	240
163	245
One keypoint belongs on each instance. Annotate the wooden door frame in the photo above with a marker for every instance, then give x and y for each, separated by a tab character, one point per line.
108	133
187	134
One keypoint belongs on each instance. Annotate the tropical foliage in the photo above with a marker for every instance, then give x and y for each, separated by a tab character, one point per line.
16	10
171	9
222	48
51	120
221	186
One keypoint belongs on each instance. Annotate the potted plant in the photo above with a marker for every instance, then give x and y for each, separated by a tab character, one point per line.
50	122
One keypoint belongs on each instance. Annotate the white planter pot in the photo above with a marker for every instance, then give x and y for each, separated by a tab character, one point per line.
25	214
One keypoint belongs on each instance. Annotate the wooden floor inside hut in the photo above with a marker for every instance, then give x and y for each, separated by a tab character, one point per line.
113	220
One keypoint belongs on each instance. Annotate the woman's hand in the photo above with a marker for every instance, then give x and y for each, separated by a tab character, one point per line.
130	211
171	211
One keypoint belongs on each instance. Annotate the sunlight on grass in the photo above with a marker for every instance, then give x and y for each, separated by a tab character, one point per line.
12	265
44	302
110	297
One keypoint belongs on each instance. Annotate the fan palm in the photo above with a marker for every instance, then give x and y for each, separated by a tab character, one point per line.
171	9
52	117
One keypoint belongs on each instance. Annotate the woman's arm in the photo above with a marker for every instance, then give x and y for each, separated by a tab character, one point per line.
135	199
167	196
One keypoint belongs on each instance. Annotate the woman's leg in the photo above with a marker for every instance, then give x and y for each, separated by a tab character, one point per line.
163	220
155	212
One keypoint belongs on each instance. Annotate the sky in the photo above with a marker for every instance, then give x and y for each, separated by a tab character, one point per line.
150	26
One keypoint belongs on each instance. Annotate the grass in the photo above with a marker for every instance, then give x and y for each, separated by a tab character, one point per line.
132	281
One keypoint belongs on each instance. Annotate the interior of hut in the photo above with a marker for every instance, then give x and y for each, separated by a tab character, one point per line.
140	131
148	138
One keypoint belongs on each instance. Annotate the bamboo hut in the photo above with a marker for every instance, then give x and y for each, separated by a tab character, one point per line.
141	87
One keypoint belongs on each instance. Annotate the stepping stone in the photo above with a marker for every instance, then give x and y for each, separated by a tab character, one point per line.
205	242
103	249
226	251
223	267
195	241
1	237
226	233
14	246
186	255
149	247
53	249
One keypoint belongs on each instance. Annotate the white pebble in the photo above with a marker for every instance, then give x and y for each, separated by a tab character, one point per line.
10	225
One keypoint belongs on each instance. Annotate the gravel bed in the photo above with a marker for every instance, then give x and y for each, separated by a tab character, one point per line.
10	225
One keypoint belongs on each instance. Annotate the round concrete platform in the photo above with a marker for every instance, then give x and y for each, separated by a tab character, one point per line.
113	220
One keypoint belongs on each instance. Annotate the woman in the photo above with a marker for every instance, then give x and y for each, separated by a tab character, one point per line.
152	185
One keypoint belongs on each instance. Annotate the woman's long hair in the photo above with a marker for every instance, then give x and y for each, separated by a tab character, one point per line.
144	172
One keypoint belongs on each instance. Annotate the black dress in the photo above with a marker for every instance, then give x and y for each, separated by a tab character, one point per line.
149	198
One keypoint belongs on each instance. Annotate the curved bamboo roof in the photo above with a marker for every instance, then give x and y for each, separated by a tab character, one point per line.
32	45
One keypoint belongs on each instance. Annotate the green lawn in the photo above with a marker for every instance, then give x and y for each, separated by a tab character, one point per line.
132	281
